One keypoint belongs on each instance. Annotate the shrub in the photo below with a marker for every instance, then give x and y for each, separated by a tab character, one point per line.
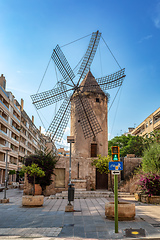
34	171
150	184
151	159
46	161
101	164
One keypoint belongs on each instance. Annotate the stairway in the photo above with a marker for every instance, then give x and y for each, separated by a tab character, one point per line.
89	194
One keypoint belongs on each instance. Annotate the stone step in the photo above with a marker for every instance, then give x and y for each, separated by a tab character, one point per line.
89	194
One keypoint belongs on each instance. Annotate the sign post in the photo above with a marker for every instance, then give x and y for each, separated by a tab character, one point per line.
116	158
116	202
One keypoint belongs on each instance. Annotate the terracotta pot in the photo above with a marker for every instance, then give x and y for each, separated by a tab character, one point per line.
38	189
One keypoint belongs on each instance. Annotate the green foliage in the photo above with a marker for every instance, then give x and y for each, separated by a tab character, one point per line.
12	172
151	159
21	173
34	170
128	145
101	164
46	161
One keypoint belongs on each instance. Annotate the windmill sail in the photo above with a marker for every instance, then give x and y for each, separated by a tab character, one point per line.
89	55
60	121
112	81
43	99
62	64
87	118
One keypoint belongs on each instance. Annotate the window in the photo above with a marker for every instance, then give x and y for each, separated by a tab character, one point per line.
150	121
60	177
97	99
93	149
146	125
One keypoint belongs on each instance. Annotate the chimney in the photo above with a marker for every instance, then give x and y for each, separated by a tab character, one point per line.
22	104
3	81
40	129
32	119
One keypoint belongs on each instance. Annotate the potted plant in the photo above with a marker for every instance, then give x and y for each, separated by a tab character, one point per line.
35	200
46	160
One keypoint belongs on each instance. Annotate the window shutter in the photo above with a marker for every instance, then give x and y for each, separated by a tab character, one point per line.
93	149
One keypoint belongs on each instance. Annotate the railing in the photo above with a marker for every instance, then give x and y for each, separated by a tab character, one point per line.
4	91
16	118
16	129
4	105
155	121
3	132
15	140
3	118
17	108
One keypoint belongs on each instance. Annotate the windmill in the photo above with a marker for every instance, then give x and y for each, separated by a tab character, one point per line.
70	85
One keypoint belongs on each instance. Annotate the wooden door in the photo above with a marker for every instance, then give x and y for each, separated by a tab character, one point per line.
101	180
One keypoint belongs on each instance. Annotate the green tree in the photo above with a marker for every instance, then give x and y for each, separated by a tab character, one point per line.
101	163
34	171
128	145
151	159
46	161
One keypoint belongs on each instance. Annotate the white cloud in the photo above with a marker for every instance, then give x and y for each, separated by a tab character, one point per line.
145	38
156	19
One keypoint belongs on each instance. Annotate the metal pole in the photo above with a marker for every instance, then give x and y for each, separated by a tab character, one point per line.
70	165
6	175
116	202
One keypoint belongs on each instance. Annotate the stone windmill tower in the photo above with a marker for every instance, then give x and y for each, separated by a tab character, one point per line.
84	149
90	147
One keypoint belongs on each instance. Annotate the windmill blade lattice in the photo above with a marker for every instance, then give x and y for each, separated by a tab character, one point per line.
60	121
112	81
87	118
62	64
89	55
41	100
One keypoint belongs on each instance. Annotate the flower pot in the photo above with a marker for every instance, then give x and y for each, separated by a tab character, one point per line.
126	211
32	201
38	189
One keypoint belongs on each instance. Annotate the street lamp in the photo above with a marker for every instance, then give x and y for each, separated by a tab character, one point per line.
69	207
6	149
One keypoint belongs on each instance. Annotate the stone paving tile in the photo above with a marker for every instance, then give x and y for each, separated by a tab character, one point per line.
87	221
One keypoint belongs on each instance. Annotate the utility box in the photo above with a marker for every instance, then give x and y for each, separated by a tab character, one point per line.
71	192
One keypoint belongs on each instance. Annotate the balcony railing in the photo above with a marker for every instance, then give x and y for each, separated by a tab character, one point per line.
3	132
4	105
16	118
4	118
16	129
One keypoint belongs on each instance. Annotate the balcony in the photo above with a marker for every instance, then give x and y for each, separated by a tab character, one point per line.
4	105
3	132
6	120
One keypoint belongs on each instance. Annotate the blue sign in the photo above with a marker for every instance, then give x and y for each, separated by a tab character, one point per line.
115	166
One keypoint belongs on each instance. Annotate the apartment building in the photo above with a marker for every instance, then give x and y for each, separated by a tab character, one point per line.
17	131
151	123
63	153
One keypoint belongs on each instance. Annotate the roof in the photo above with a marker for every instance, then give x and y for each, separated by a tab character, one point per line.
89	84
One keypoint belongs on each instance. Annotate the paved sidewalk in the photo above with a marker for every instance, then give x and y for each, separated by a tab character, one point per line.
86	222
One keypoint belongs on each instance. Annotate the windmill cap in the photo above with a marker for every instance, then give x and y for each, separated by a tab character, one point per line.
89	84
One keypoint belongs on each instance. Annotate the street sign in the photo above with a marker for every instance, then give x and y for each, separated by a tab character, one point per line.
115	166
116	172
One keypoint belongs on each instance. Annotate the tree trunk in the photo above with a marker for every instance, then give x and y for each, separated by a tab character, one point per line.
34	185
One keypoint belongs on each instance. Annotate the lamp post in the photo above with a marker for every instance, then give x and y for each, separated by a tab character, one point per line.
69	207
6	149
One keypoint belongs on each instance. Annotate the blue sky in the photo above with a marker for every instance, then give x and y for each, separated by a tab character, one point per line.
29	30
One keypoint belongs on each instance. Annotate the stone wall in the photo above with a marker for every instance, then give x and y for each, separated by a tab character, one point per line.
129	165
130	182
